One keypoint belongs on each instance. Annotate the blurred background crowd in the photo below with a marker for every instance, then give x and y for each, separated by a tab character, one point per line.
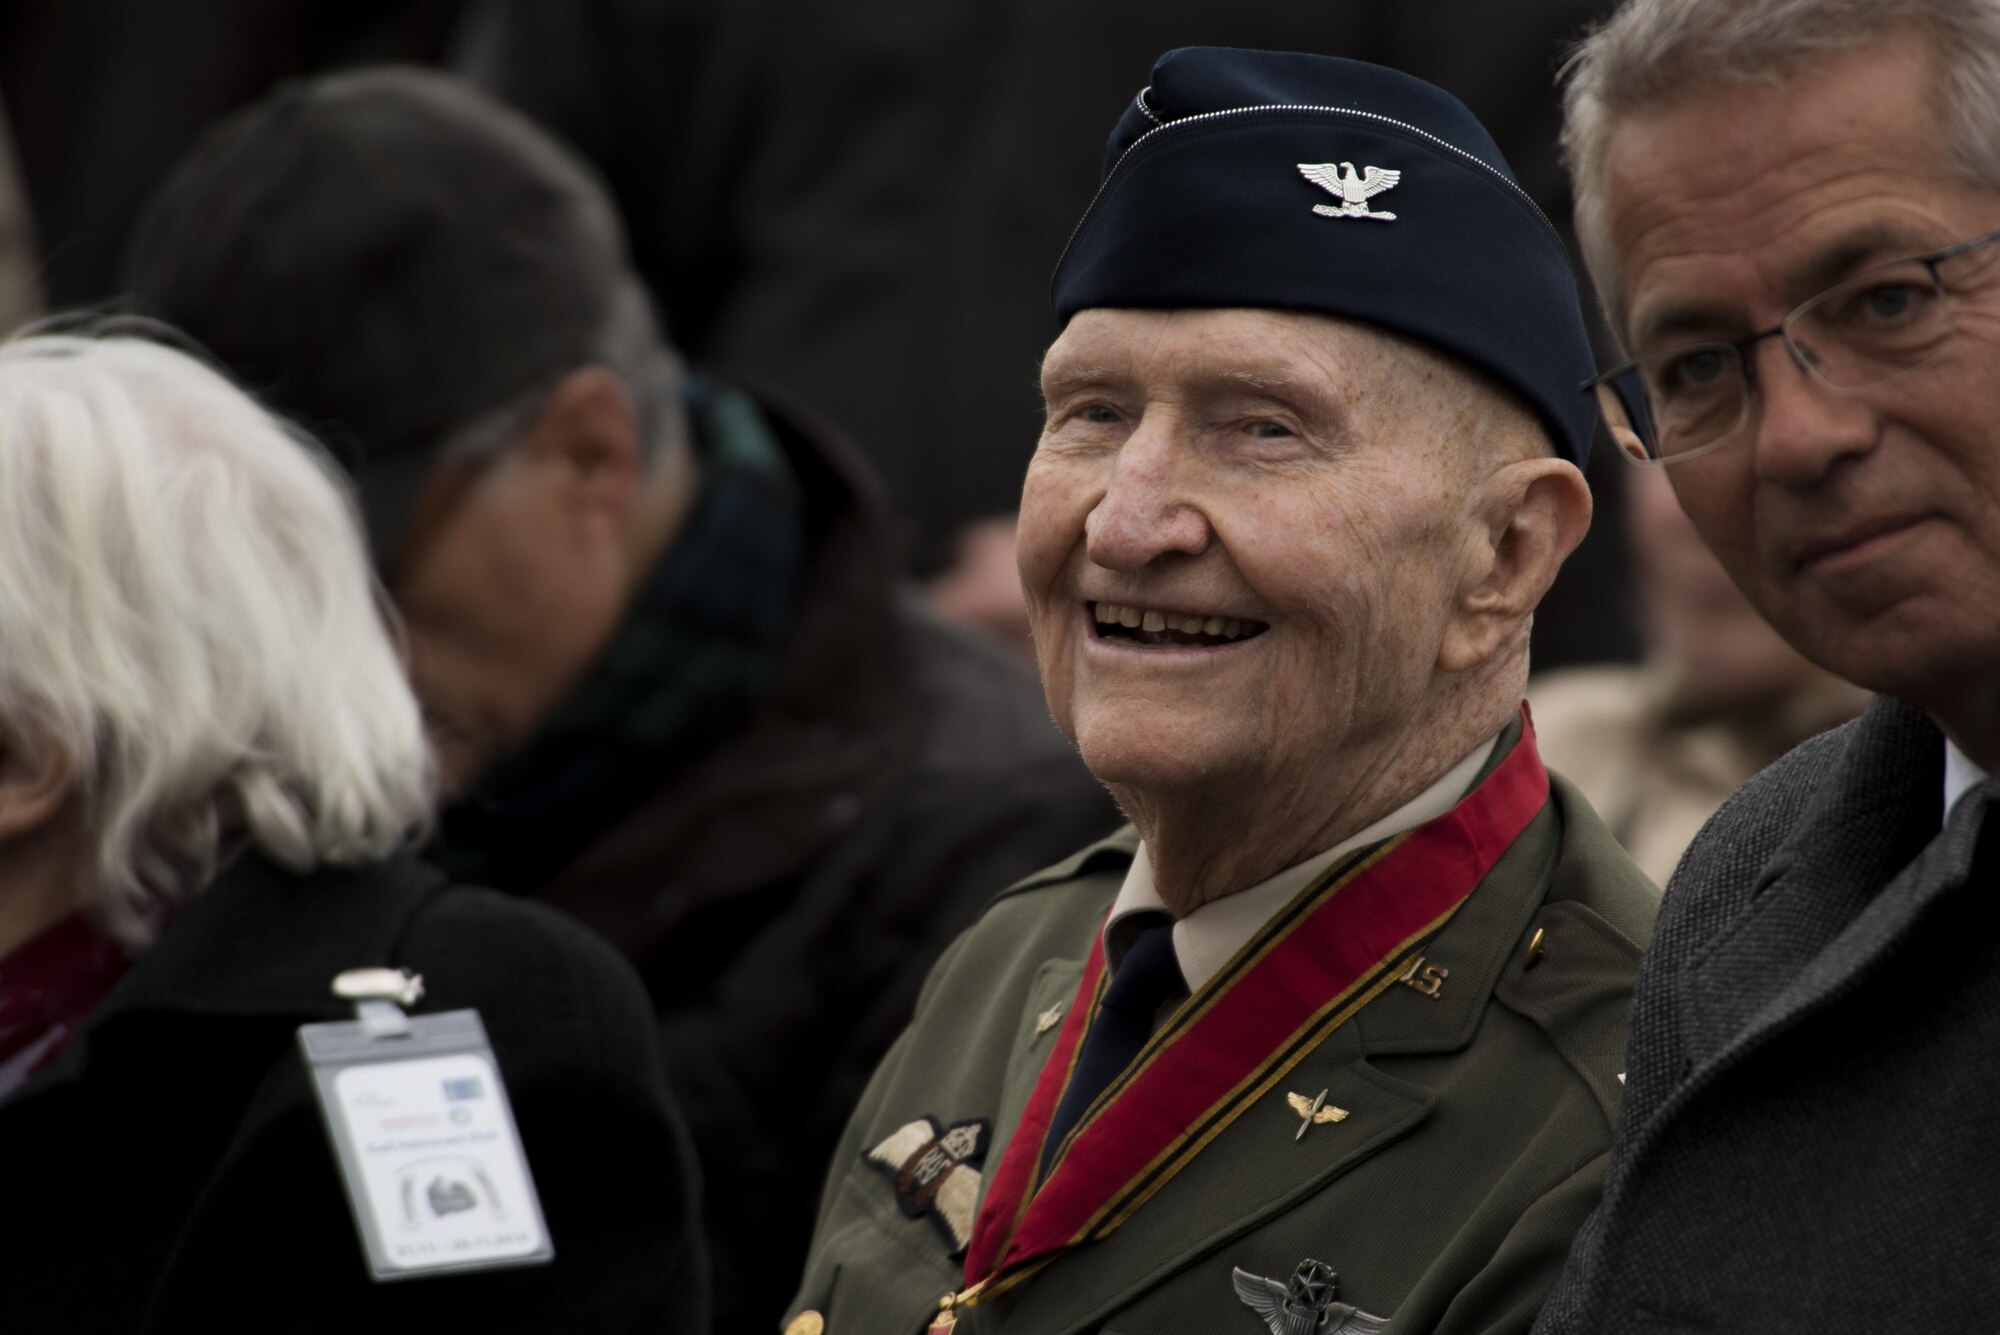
860	205
807	701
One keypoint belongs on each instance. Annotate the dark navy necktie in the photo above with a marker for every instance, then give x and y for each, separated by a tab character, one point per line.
1147	976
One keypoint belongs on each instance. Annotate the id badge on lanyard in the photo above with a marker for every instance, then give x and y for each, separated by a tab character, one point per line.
423	1135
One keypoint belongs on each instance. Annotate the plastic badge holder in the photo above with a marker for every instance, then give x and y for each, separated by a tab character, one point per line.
426	1142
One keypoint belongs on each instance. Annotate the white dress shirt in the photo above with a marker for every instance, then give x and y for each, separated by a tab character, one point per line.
1205	939
1961	776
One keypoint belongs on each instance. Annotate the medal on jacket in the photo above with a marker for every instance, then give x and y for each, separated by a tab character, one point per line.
947	1317
1344	940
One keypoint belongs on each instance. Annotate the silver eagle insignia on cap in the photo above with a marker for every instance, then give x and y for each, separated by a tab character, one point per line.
1352	189
1307	1305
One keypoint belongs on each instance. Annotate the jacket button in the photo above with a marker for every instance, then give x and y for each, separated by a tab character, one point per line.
1534	951
807	1323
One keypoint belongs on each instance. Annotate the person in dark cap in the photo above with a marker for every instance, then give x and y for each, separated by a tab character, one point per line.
1329	1039
651	616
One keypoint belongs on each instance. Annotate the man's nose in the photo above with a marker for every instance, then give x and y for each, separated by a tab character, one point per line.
1804	426
1147	510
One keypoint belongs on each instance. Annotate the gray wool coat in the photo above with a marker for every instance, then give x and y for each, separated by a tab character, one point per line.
1810	1138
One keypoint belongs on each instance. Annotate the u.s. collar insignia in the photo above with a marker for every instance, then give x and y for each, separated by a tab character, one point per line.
1353	189
934	1172
1307	1305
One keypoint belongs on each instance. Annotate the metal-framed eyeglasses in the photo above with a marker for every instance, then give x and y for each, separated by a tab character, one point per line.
1681	402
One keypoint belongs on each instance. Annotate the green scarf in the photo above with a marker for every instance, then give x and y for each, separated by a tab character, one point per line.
697	653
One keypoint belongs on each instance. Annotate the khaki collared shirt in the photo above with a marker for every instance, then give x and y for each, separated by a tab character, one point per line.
1207	938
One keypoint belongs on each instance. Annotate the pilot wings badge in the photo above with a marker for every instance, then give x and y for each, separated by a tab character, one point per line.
1307	1305
1352	189
1313	1112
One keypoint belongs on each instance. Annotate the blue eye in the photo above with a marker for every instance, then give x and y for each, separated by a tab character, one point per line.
1889	303
1696	371
1270	430
1100	413
1699	368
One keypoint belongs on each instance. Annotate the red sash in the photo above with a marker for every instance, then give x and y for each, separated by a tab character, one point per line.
1337	945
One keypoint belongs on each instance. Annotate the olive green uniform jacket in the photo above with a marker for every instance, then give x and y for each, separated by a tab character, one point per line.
1479	1128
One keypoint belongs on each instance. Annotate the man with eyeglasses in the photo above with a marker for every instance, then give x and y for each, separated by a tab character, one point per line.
1790	208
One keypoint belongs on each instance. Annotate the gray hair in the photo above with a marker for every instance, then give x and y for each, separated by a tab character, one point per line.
191	624
1653	53
628	345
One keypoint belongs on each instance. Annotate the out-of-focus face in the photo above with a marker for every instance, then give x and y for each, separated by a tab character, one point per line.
1865	525
1723	654
506	601
1280	503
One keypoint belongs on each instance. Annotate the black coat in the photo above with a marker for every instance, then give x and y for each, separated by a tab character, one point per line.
1808	1141
785	895
168	1173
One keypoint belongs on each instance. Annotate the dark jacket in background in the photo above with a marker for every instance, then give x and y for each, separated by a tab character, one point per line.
785	895
169	1171
1809	1137
106	95
863	202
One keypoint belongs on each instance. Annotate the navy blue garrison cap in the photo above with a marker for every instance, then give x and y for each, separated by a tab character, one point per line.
1311	183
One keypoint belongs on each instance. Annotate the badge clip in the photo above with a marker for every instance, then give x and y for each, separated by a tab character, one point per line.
379	996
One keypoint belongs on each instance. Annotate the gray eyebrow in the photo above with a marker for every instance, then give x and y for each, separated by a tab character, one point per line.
1069	379
1255	381
1683	321
1856	252
1875	245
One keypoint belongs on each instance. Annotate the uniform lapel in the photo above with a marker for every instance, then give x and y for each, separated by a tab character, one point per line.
1048	1004
1259	1166
1255	1171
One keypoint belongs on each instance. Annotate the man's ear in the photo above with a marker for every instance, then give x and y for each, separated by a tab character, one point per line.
35	782
1535	513
589	431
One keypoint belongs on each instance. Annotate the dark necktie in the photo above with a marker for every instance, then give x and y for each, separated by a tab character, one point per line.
1147	976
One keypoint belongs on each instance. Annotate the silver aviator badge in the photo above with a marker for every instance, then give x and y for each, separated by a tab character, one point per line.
1307	1305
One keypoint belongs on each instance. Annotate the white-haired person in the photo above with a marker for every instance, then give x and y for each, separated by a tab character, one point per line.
211	771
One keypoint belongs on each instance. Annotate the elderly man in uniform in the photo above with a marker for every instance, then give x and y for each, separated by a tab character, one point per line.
1792	209
1332	1036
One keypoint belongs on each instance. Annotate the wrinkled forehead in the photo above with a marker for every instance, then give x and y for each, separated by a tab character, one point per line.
1728	206
1246	347
1359	381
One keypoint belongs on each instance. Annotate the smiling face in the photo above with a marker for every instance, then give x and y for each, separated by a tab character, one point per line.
1285	506
1865	525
